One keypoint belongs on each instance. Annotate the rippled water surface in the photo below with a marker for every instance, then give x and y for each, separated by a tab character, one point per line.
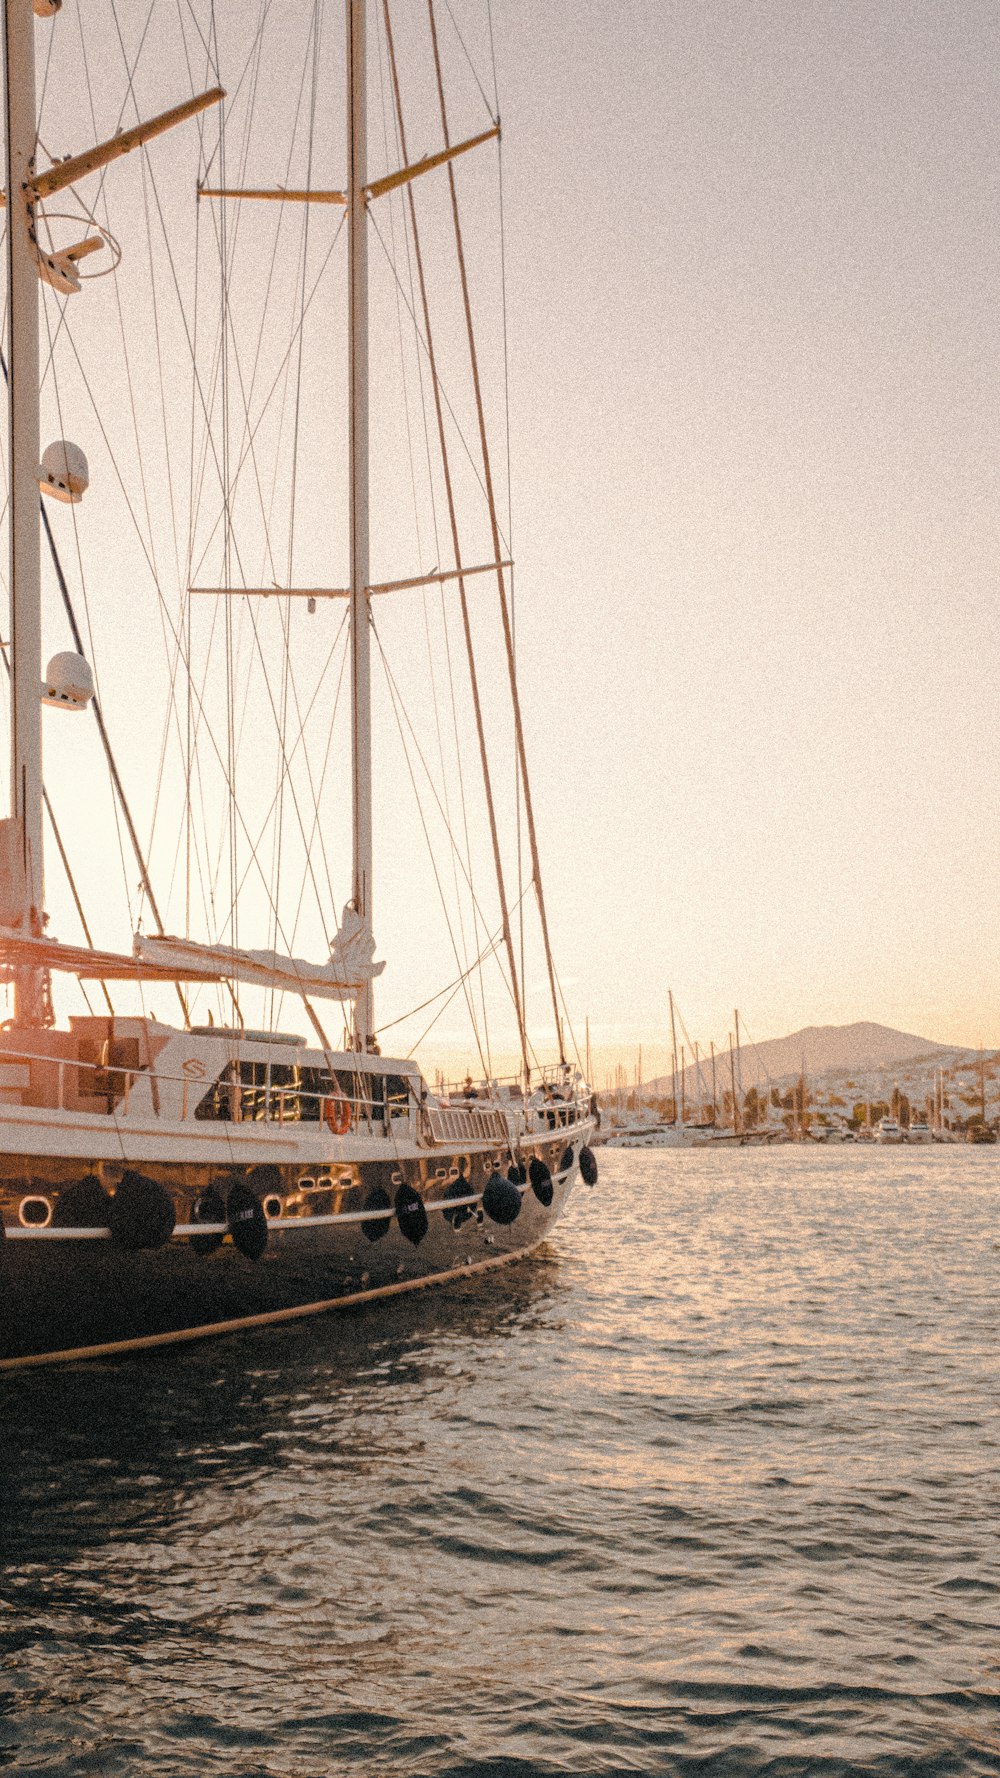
709	1485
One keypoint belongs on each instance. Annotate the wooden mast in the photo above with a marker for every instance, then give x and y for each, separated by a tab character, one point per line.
357	282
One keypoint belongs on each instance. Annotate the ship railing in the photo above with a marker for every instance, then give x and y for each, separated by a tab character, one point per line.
506	1086
276	1105
455	1123
557	1114
282	1106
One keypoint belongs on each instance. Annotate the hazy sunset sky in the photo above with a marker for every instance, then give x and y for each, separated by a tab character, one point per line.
756	370
751	274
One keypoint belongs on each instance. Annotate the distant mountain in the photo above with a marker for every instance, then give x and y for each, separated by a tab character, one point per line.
821	1049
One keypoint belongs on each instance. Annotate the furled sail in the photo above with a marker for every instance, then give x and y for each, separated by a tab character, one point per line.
351	964
18	952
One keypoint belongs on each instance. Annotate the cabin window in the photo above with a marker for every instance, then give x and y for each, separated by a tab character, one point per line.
285	1093
239	1095
220	1102
397	1095
318	1084
253	1091
314	1087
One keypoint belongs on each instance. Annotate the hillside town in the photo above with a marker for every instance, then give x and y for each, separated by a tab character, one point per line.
938	1094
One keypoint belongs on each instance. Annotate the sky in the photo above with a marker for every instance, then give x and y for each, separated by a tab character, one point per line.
750	260
763	240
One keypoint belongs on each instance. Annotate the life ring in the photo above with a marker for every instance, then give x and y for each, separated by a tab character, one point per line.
337	1112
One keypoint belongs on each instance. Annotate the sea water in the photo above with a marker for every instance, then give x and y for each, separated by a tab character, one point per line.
708	1485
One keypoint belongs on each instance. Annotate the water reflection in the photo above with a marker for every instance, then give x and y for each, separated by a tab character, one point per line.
231	1410
706	1483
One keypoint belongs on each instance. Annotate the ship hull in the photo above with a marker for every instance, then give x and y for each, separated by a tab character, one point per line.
66	1297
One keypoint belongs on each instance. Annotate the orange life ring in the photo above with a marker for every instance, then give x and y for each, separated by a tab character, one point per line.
337	1113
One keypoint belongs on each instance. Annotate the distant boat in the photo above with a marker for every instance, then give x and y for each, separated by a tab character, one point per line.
646	1135
889	1130
920	1131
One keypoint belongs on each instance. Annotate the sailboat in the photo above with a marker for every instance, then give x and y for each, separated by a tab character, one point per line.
161	1182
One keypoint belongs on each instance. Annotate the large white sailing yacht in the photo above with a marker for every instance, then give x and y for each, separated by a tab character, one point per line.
162	1181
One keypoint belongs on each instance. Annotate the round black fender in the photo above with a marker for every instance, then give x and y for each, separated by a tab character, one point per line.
517	1174
501	1199
458	1188
567	1160
83	1205
246	1219
375	1227
141	1213
209	1206
588	1166
541	1181
411	1214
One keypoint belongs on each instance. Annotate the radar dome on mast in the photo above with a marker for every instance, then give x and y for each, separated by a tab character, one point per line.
64	472
69	682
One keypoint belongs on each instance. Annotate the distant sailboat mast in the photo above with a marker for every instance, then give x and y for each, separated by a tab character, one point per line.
673	1050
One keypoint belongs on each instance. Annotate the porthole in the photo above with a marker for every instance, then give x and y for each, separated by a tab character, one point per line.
321	1183
34	1213
346	1181
273	1206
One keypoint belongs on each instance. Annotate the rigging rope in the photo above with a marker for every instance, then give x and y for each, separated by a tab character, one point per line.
102	730
495	530
463	601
